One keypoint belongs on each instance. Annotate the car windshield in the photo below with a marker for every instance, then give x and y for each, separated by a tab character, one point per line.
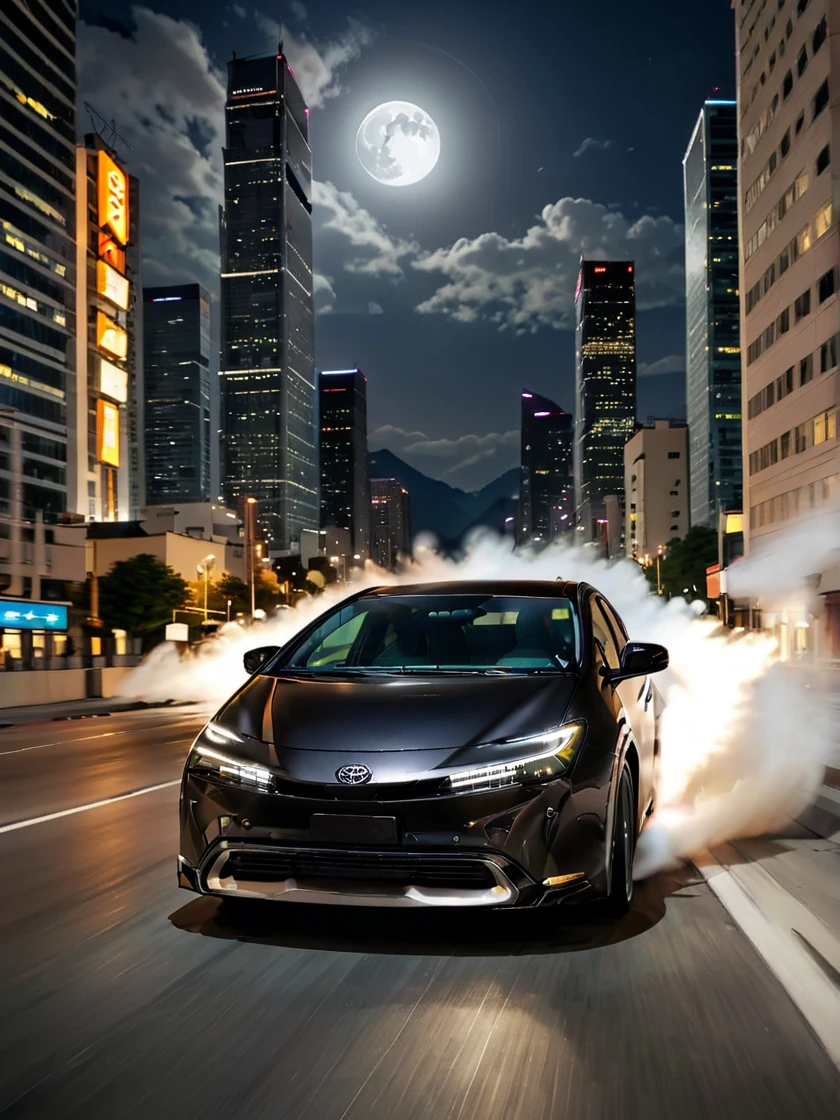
443	633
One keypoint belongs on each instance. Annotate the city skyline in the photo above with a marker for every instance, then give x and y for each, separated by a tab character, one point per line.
379	249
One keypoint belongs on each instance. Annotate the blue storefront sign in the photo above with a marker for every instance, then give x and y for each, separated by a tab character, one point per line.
24	614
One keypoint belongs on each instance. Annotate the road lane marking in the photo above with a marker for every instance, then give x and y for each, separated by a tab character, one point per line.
84	808
80	739
768	916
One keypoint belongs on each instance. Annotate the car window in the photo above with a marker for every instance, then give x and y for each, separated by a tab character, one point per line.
603	635
617	626
446	632
331	644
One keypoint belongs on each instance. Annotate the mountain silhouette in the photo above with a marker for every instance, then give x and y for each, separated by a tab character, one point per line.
446	511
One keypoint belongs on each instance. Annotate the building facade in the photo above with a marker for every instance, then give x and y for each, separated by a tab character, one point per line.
713	350
546	505
391	538
345	475
605	390
788	59
656	487
106	413
177	390
268	401
37	257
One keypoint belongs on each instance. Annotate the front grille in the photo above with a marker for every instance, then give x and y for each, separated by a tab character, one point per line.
274	865
375	791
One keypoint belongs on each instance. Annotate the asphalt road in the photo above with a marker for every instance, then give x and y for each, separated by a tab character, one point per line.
123	997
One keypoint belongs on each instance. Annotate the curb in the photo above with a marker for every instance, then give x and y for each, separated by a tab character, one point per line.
823	815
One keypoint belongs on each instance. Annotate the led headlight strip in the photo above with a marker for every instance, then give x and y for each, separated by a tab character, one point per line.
236	769
560	745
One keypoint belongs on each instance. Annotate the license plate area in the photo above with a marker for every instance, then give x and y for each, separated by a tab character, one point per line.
336	828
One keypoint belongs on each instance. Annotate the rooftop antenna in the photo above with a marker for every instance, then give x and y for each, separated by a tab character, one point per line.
105	129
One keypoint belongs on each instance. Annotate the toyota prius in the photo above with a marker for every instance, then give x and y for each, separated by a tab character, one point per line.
468	744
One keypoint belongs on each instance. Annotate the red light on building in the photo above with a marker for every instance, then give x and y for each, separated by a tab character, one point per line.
600	268
629	268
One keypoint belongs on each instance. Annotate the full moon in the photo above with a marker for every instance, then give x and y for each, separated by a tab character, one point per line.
398	143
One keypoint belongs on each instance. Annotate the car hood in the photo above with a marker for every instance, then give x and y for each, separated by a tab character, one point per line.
379	714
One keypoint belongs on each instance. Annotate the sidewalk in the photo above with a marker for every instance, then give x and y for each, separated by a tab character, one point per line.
784	893
76	709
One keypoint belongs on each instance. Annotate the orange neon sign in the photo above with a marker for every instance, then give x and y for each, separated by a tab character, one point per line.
113	197
110	251
107	433
110	336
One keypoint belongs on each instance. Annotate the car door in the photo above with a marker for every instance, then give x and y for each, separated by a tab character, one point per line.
637	698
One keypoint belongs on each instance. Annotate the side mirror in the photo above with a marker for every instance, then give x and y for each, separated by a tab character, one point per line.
254	659
638	659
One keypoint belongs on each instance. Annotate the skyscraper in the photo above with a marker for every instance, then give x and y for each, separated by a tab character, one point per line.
37	217
345	476
605	388
713	349
655	487
105	422
546	488
176	349
268	422
789	121
390	522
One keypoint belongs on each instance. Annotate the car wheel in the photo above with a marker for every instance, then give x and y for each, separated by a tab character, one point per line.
620	897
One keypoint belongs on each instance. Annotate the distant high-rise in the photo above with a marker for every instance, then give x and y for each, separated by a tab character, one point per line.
390	522
713	349
546	487
268	422
37	218
655	487
176	349
605	387
345	475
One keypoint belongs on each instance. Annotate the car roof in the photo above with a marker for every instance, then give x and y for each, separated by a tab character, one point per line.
559	588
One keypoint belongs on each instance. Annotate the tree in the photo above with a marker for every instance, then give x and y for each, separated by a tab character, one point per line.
683	567
139	596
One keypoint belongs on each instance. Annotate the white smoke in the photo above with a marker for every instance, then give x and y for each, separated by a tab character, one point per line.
744	739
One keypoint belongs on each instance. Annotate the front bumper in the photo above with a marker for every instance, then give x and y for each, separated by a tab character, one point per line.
513	847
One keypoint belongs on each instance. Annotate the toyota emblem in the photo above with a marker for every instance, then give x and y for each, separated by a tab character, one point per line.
354	775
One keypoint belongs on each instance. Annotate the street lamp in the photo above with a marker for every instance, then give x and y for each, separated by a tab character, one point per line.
229	603
203	569
659	553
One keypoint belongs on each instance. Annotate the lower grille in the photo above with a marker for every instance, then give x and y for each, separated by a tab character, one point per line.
274	865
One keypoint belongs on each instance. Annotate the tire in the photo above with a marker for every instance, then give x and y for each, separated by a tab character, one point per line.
620	897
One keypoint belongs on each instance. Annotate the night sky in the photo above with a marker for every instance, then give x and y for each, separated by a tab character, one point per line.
560	133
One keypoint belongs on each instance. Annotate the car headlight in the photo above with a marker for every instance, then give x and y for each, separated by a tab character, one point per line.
549	755
239	771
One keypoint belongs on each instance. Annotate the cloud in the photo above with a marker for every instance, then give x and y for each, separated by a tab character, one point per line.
167	96
162	89
527	283
672	363
298	10
323	292
442	458
377	252
592	145
316	66
238	10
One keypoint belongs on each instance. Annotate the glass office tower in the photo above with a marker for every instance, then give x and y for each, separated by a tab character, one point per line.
176	348
37	216
345	474
713	347
546	487
605	388
268	421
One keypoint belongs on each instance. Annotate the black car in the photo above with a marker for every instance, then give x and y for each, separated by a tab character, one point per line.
451	744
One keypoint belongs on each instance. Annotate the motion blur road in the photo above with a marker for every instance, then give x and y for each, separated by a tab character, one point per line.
125	997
